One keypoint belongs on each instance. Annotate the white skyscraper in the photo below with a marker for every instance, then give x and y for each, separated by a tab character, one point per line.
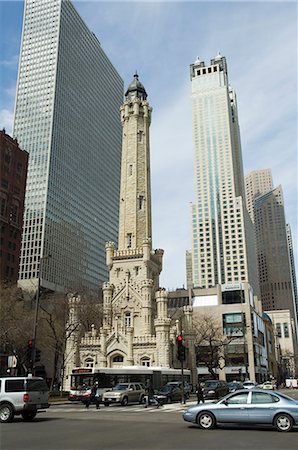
223	243
67	118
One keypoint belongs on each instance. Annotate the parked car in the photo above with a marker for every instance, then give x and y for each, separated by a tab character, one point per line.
235	386
24	396
268	385
247	407
215	389
169	393
187	387
249	384
124	393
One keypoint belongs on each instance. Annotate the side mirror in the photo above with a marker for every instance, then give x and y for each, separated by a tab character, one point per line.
225	403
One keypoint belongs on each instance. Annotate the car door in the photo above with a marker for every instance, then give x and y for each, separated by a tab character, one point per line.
262	407
234	409
137	393
131	393
176	393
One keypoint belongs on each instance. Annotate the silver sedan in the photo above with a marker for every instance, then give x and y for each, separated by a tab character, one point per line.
247	407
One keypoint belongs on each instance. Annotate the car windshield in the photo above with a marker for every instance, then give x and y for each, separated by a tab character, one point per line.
210	385
120	387
165	389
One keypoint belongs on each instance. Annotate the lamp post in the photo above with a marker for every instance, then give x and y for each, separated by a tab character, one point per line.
37	308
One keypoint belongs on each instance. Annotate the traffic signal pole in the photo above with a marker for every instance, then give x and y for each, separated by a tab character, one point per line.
181	358
182	379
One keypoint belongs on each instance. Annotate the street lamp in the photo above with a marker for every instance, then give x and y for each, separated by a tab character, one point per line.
37	308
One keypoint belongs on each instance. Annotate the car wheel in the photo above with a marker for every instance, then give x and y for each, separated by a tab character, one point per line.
28	415
6	413
283	422
124	401
206	420
106	403
169	400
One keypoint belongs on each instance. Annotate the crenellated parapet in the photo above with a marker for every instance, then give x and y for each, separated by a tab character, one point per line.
144	340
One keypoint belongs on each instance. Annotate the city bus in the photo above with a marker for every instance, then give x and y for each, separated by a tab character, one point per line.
83	378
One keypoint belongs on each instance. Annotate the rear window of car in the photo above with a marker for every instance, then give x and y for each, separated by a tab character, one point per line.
14	386
36	385
262	397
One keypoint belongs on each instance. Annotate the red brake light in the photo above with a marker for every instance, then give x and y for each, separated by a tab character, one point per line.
26	397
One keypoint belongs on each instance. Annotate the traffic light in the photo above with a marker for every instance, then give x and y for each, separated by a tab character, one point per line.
29	353
37	355
180	348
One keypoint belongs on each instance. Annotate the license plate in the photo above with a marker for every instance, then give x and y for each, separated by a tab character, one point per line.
38	406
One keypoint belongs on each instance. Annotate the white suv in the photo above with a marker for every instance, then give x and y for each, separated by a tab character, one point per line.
125	393
22	395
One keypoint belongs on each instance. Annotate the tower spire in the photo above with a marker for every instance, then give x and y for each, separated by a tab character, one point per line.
135	191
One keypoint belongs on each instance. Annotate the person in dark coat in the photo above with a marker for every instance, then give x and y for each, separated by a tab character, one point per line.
94	396
199	392
150	395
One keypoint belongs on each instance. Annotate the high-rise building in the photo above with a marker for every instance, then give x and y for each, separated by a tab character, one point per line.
67	118
273	254
222	232
292	266
13	175
257	182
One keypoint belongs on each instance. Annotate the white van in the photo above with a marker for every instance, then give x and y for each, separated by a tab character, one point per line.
24	396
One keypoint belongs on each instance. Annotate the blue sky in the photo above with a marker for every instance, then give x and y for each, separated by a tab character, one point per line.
160	40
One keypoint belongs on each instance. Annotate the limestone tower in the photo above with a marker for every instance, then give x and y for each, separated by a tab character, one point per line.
135	309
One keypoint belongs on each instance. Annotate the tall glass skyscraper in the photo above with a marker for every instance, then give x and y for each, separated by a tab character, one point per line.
67	118
223	249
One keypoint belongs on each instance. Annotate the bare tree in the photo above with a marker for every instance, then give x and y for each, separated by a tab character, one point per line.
55	329
211	343
16	324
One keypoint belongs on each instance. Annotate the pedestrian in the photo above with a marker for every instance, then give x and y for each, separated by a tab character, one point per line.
150	399
94	396
199	392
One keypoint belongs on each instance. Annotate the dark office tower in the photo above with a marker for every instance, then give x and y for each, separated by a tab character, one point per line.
272	252
67	118
14	164
292	266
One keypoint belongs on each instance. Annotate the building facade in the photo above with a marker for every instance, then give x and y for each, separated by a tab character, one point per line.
13	164
257	182
237	328
67	118
223	249
272	252
137	329
286	342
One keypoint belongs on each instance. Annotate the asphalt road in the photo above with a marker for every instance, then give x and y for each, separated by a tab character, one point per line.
73	427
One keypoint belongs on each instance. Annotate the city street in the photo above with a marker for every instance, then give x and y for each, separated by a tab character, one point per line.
72	426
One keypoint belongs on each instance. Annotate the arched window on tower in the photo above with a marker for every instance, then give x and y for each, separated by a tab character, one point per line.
118	358
127	319
145	361
89	362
